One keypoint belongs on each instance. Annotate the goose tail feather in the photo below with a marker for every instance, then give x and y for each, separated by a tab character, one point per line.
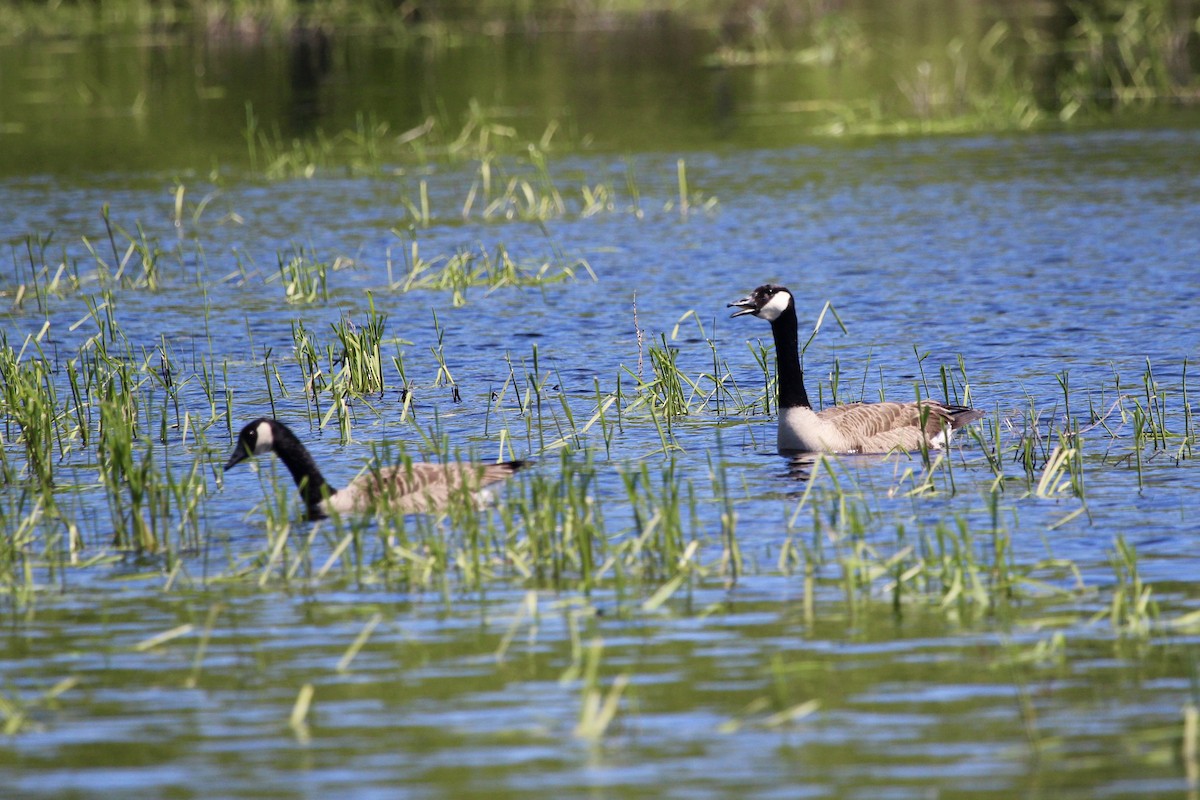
963	415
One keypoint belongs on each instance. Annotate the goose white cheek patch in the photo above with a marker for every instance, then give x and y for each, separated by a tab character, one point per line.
263	439
775	306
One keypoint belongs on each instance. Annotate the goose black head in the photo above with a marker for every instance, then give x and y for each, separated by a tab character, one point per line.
768	302
256	438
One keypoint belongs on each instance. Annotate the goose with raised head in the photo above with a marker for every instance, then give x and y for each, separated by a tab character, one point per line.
416	488
850	428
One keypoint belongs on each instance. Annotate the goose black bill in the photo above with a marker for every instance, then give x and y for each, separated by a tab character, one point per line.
238	455
744	306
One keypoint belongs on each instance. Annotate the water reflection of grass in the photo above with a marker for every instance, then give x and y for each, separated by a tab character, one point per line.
513	179
1001	68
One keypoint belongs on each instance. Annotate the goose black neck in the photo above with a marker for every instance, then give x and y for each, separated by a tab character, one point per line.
787	357
295	456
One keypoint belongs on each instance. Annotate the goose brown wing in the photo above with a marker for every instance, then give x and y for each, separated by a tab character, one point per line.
872	426
426	486
862	421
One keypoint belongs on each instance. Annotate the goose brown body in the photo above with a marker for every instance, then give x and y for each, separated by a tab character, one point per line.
850	428
420	487
413	488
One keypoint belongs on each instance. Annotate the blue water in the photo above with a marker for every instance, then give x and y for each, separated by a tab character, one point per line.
1027	256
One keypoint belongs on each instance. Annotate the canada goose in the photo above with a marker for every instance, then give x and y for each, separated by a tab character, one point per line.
410	489
850	428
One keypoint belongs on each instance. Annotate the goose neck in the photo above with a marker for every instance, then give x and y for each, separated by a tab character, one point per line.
295	456
787	356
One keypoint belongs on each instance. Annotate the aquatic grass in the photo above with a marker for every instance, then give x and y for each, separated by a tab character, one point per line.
34	275
562	524
110	405
658	522
305	278
439	356
687	200
541	199
307	352
672	394
361	355
514	179
666	389
1051	445
137	268
359	150
468	269
754	715
371	148
548	531
962	565
31	403
124	260
129	478
538	199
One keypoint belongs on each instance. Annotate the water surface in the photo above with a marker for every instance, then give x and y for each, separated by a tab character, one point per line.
1029	256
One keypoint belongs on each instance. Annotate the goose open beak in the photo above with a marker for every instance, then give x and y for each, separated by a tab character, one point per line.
744	306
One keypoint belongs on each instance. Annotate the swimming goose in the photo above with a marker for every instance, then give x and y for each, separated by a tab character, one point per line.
416	488
850	428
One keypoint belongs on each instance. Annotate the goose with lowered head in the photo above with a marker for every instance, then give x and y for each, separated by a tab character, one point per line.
849	428
416	488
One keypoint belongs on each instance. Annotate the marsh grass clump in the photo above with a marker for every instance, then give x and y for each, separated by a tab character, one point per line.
962	564
754	40
361	369
372	148
31	405
468	269
128	471
38	275
1053	446
350	368
138	267
359	150
1125	54
674	388
564	542
305	278
1132	609
524	189
121	260
549	530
